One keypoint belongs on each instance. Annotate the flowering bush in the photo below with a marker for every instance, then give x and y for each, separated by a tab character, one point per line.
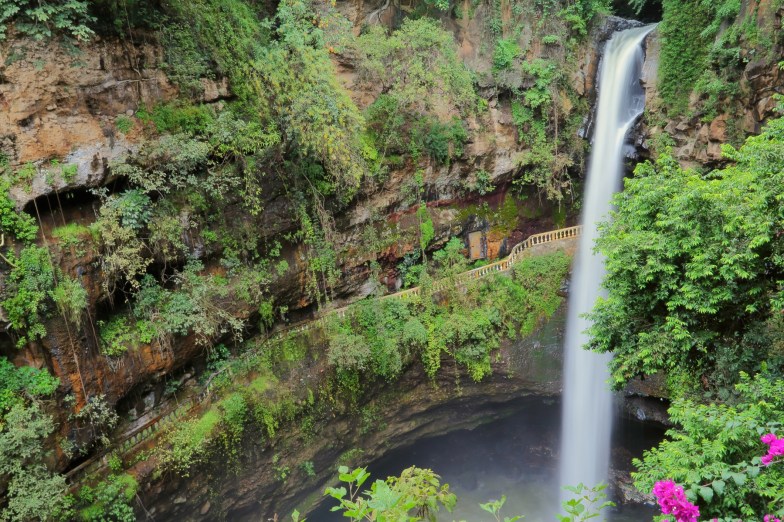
672	501
672	498
714	452
775	448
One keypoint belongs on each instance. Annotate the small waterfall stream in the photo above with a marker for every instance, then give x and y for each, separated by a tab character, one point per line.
587	407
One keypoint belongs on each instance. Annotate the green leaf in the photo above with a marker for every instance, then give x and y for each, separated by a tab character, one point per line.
739	478
706	493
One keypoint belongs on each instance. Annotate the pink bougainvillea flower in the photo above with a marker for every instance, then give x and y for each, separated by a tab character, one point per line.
672	501
775	448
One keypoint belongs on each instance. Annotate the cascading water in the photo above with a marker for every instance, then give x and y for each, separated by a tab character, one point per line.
587	410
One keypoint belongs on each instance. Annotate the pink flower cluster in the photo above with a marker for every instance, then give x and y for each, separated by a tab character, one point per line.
775	448
770	518
672	501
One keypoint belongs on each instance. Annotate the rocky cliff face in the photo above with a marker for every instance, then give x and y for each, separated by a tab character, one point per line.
696	137
62	102
66	105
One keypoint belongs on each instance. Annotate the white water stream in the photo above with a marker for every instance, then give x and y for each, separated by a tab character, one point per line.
587	400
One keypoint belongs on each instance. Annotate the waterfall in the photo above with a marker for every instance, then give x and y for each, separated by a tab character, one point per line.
587	400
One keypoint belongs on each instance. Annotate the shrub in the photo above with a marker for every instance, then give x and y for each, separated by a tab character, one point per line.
32	492
70	298
124	124
71	234
441	141
185	62
348	351
19	383
178	117
116	335
26	292
17	224
506	50
134	208
714	450
109	500
190	441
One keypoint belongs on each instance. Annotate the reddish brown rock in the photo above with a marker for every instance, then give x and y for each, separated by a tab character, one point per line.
718	128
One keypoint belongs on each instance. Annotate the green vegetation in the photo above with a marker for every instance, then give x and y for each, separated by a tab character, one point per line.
178	117
221	427
695	268
71	234
20	225
540	83
116	336
684	49
70	298
545	162
505	52
417	66
705	45
183	245
109	500
26	292
418	495
185	62
19	383
376	340
421	75
380	338
124	124
32	491
42	19
502	219
714	451
418	490
189	441
694	280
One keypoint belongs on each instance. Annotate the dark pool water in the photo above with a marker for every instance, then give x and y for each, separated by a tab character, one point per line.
514	456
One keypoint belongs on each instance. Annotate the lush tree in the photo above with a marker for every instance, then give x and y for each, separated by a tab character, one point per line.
694	265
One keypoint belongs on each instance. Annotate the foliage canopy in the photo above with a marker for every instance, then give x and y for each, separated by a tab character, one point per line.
694	264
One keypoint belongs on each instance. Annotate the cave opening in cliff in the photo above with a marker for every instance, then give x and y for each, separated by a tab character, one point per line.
58	209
